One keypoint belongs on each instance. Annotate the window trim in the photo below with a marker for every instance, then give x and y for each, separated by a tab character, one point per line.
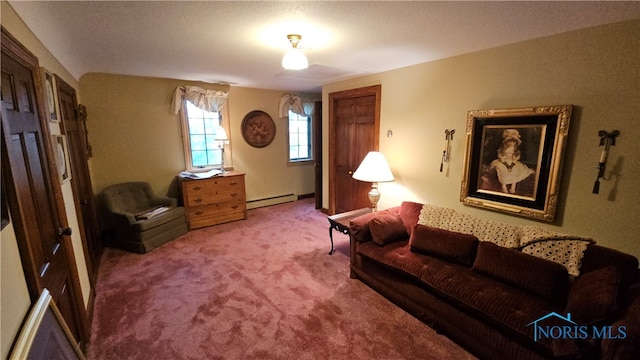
310	159
186	142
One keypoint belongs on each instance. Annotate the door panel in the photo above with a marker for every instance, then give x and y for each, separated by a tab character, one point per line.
354	131
33	194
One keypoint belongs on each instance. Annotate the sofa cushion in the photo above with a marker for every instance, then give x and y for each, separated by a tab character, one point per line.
597	257
500	304
593	296
360	226
448	245
541	277
387	227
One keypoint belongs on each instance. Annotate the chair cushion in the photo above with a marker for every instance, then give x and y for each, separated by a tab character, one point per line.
144	225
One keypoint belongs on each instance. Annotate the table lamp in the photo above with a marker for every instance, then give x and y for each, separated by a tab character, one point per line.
374	169
222	139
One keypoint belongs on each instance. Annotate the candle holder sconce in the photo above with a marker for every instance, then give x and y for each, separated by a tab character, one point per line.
448	136
607	139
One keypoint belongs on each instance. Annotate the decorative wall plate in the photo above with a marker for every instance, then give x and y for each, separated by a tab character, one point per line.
258	129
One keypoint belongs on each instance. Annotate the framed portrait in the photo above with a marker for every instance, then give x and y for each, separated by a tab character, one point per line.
513	160
51	96
45	335
62	157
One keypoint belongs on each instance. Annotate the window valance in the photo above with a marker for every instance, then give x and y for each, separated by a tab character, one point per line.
207	100
296	104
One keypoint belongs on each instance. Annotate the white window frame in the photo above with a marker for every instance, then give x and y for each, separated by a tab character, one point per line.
186	140
301	161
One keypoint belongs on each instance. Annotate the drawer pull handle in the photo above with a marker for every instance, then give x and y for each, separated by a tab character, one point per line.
198	200
199	212
233	194
196	188
234	183
234	207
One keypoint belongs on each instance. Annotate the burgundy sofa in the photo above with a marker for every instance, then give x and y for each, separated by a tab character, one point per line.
491	299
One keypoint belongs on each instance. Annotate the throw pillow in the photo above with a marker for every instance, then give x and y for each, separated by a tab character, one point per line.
593	296
448	245
387	228
409	213
542	277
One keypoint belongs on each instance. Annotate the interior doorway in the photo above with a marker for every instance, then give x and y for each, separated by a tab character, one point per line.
354	130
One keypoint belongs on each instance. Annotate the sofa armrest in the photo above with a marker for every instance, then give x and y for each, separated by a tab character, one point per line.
122	216
625	340
163	201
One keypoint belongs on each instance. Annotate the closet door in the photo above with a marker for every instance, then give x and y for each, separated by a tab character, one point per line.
33	190
73	125
354	123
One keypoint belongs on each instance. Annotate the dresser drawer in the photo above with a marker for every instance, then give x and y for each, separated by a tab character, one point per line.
213	191
218	213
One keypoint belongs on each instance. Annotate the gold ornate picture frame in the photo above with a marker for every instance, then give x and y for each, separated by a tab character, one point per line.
513	160
45	334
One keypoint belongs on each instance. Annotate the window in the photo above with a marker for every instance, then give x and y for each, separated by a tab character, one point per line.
299	138
200	127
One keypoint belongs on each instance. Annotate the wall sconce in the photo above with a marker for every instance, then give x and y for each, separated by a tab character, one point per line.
374	169
222	139
448	136
606	139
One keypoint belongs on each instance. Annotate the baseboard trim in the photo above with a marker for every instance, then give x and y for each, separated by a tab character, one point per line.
273	200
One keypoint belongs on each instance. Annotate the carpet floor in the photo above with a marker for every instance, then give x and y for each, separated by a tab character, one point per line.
261	288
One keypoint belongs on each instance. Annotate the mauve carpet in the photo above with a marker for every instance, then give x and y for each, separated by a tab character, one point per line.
261	288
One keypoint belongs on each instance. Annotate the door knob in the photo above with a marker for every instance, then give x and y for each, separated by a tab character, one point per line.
64	231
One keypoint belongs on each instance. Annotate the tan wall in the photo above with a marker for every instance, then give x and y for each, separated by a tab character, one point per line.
14	298
597	70
135	137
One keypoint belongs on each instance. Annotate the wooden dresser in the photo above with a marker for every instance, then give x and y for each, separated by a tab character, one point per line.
216	200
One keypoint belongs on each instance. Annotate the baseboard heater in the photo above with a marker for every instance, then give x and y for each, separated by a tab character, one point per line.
273	200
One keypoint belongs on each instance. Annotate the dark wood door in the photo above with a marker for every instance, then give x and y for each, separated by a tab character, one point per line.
317	151
73	124
354	127
33	191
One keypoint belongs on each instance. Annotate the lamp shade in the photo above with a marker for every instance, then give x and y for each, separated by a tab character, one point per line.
374	168
295	59
221	135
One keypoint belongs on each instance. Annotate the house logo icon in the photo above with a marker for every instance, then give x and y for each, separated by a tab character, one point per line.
556	326
552	314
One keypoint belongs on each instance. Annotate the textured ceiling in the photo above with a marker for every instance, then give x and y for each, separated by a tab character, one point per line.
242	42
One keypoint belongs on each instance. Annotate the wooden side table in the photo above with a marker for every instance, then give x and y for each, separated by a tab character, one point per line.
341	221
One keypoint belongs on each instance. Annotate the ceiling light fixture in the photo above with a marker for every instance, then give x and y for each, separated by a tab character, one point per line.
295	59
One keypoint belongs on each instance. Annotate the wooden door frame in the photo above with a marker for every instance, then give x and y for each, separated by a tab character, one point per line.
317	152
375	90
13	48
92	267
